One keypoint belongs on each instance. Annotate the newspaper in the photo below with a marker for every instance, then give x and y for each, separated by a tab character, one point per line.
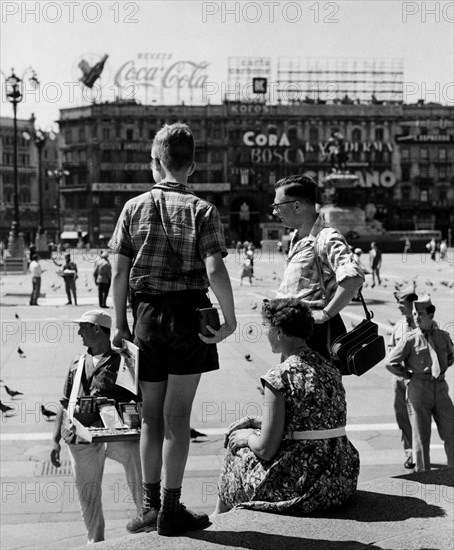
128	373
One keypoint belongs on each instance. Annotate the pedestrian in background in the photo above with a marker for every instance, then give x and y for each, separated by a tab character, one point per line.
375	263
69	274
36	272
431	247
321	270
169	272
422	359
99	369
103	277
405	299
443	249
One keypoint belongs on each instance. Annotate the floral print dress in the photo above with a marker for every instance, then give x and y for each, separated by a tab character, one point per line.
305	475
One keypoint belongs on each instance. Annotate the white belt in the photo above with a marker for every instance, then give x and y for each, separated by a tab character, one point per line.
316	434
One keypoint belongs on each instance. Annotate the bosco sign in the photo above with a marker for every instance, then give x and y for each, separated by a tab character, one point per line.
272	149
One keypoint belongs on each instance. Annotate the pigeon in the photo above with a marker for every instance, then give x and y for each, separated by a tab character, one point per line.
5	408
254	305
250	330
21	353
17	316
248	357
12	393
261	390
195	434
47	413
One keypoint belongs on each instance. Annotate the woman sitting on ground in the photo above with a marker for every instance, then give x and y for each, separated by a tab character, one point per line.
297	459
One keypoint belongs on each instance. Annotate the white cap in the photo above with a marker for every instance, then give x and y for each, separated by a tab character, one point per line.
96	317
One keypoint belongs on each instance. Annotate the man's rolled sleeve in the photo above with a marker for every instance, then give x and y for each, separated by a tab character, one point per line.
211	235
340	256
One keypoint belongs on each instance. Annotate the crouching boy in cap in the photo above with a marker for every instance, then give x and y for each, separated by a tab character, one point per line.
422	359
96	377
405	299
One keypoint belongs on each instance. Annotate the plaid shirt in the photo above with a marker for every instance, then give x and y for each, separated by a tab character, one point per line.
193	227
301	277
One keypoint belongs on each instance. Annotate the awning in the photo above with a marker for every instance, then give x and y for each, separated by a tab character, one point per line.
72	235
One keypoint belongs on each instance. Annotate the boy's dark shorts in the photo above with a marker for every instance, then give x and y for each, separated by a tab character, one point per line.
166	328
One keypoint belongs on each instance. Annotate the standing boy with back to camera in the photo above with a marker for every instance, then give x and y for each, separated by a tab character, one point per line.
170	248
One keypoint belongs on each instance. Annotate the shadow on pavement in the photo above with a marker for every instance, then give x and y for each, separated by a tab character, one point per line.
374	507
255	540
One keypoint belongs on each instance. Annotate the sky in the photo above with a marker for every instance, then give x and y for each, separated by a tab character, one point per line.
53	37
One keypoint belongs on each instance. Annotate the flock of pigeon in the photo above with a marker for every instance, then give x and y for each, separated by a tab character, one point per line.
6	410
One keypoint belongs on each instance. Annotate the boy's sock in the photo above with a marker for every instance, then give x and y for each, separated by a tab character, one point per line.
151	496
171	500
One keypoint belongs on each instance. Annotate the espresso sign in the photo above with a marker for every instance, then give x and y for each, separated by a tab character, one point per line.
161	75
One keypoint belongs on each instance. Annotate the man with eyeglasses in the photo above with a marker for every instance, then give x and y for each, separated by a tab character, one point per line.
321	269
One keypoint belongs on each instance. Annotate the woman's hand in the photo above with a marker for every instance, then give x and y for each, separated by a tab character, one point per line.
253	422
239	438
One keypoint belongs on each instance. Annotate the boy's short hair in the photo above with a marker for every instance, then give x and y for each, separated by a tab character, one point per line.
300	187
174	146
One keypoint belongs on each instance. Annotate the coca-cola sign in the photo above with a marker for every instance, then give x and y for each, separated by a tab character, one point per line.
162	72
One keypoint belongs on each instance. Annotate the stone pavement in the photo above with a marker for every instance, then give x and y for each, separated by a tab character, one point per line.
39	508
410	512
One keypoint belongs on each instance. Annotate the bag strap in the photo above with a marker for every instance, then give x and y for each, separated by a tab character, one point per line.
369	314
75	387
165	233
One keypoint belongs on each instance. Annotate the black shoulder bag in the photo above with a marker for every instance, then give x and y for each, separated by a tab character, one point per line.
360	349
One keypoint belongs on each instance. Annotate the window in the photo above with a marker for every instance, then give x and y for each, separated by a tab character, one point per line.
379	134
423	153
8	193
405	154
24	195
68	136
442	154
442	173
313	134
106	133
293	133
406	193
423	131
129	134
405	173
81	134
356	135
424	196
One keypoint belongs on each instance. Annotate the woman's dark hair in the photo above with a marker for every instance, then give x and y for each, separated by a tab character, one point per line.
291	315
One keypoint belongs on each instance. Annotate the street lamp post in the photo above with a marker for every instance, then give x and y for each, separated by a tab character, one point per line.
58	173
14	94
39	138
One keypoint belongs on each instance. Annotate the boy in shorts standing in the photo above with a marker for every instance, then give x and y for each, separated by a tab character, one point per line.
170	248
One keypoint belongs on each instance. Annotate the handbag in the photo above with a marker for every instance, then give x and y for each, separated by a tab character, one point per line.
360	349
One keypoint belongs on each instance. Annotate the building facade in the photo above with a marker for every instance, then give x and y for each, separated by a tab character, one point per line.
400	153
31	198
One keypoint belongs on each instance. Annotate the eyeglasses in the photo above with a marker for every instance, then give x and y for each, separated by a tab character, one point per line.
277	204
